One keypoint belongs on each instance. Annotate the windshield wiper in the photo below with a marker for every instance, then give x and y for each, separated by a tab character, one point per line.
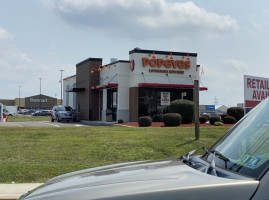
215	152
209	170
186	158
212	168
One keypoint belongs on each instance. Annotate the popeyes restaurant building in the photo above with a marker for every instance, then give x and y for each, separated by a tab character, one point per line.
144	85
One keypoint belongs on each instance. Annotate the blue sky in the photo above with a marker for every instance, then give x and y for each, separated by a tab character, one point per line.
38	38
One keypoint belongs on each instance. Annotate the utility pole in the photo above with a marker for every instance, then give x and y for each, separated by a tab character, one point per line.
196	109
61	86
196	106
40	94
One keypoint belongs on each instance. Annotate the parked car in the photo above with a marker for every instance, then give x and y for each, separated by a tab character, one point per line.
29	112
22	111
60	113
236	167
42	113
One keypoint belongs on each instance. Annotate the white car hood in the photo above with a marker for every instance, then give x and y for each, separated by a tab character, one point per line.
170	179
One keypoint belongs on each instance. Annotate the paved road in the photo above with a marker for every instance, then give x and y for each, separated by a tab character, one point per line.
40	124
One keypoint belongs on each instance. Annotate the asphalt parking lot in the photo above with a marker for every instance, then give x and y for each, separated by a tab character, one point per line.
41	124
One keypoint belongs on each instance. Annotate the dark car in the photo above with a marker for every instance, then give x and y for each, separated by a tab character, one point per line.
42	113
60	113
28	112
236	167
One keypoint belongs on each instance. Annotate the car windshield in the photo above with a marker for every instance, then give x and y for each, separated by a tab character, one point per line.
246	145
64	108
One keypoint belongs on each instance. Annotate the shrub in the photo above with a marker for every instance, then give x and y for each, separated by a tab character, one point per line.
172	119
223	115
206	116
236	112
183	107
214	119
144	121
229	120
218	124
202	119
120	121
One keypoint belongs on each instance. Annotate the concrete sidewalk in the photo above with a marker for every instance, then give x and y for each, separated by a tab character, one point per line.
14	191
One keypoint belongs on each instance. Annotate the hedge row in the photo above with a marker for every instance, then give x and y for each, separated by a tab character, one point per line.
182	111
169	119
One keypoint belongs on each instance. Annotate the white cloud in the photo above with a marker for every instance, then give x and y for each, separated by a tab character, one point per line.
144	18
5	35
224	81
235	64
260	22
19	68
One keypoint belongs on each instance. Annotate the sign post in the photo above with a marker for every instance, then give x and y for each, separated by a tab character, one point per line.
196	109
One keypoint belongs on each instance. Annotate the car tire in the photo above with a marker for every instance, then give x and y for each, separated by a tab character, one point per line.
58	120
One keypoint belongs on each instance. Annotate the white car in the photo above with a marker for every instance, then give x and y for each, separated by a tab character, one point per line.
236	167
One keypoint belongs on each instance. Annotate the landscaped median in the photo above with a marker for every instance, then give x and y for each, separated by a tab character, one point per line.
33	155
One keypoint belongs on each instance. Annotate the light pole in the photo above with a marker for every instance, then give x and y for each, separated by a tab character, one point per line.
40	93
19	96
61	70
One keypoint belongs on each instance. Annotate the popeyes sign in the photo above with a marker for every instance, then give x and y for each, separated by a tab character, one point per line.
169	63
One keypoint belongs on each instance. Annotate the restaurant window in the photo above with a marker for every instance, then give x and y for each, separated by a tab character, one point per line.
149	101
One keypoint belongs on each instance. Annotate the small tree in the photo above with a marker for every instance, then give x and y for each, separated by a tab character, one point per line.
144	121
229	120
172	119
202	119
183	107
214	119
236	112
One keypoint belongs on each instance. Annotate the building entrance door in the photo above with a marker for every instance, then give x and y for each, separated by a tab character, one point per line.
112	104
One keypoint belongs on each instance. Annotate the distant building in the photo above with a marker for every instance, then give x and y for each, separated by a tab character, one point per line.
20	102
40	102
207	109
8	102
222	109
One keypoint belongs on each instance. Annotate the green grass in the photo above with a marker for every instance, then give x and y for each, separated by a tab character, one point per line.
37	154
28	118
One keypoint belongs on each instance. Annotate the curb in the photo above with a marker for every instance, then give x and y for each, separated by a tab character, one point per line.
14	191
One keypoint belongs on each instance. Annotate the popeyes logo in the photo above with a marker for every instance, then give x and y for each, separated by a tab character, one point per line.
169	63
